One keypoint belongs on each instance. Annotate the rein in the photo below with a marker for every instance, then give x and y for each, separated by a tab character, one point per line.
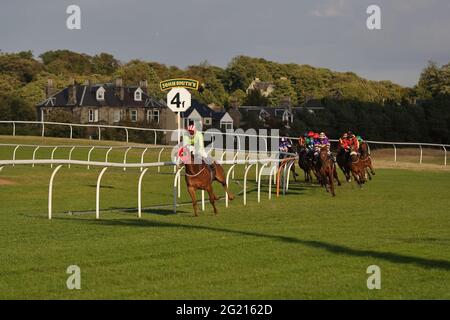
194	175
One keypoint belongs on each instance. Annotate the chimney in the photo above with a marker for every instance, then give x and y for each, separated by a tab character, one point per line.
119	90
143	85
49	89
72	99
88	82
286	102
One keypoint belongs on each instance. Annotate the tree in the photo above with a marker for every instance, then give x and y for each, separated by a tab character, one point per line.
435	81
104	63
20	65
283	89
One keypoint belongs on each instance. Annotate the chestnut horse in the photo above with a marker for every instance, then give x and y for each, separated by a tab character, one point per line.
365	157
325	169
200	175
357	167
305	163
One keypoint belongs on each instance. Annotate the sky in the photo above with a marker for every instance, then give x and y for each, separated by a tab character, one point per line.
322	33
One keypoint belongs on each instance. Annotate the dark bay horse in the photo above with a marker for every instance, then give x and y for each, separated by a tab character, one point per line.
344	162
305	163
357	167
200	175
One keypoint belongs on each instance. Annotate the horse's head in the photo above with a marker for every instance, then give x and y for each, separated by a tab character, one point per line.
184	155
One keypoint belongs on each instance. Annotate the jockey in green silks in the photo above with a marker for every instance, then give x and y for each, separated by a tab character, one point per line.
194	141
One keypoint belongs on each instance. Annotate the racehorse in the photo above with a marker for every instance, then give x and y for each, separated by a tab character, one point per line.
305	163
343	161
357	167
325	169
200	175
365	156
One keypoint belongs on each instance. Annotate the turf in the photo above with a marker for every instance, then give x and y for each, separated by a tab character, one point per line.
300	246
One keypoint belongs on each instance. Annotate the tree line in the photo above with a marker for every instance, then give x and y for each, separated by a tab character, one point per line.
377	109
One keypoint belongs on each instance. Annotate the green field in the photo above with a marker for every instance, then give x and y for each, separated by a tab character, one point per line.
303	245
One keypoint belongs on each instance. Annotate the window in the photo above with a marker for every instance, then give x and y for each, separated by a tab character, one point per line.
226	125
100	94
134	115
156	116
93	115
207	121
149	115
138	94
117	115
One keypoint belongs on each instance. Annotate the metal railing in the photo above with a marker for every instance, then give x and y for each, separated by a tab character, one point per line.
239	137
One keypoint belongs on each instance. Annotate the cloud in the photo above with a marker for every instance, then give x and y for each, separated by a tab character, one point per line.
333	8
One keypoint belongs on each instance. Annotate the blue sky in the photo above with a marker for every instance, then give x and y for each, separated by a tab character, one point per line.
325	33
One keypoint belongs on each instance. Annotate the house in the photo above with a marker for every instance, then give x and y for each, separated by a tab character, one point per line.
200	113
108	103
264	88
265	114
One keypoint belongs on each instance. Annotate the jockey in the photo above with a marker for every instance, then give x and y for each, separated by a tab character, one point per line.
310	140
343	142
195	143
352	141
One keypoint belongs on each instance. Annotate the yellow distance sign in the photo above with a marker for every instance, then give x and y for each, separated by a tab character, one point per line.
179	83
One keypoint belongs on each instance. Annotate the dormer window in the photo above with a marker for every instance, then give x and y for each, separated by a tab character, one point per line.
100	94
138	94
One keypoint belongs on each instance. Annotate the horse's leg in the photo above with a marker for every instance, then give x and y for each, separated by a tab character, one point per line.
212	197
191	191
336	176
331	181
368	174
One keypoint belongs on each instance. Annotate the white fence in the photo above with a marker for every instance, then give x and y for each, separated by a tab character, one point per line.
239	137
144	169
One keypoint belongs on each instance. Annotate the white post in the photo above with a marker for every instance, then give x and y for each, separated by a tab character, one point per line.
176	181
50	191
99	133
71	132
159	158
52	156
70	154
234	159
259	180
245	183
273	171
288	174
14	129
34	154
155	137
421	154
126	132
14	152
228	183
97	195
107	154
89	156
445	155
43	129
140	192
203	200
142	157
395	153
125	158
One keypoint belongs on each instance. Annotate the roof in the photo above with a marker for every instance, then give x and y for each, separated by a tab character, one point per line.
86	96
203	110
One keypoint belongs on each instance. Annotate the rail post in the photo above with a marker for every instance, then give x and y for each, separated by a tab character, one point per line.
14	129
245	183
421	154
14	153
53	155
228	183
155	137
288	174
395	153
142	157
71	132
70	154
50	191
176	182
159	158
43	129
141	177
99	133
97	193
34	154
89	156
273	172
107	154
125	158
445	155
259	180
126	133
